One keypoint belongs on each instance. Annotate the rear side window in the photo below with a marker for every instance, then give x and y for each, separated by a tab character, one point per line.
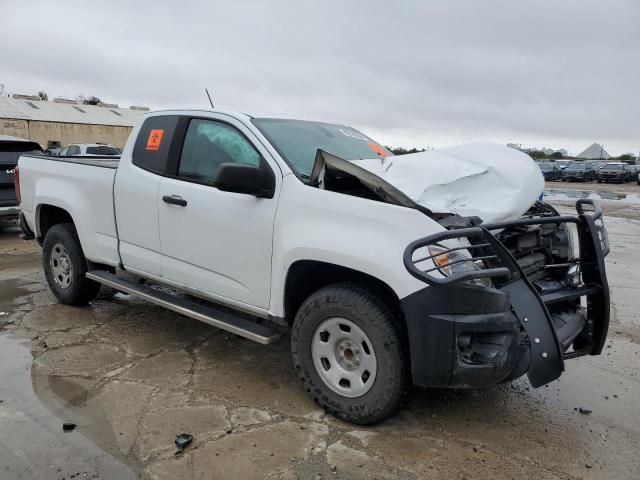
10	152
151	150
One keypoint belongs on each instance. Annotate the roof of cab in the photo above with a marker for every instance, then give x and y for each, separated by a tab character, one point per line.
236	114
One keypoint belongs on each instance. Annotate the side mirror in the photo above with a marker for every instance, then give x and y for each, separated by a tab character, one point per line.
240	178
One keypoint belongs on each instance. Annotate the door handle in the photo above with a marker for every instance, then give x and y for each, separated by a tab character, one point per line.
175	200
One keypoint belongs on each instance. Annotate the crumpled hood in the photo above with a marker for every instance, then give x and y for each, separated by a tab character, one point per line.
481	179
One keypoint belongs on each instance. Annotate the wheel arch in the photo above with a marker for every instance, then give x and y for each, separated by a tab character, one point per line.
47	216
307	276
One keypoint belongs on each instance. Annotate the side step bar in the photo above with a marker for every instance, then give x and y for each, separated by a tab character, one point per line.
207	314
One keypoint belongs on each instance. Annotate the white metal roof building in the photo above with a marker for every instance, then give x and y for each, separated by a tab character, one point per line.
66	121
67	112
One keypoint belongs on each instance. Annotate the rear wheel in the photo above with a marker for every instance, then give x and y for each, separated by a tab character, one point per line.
347	349
65	266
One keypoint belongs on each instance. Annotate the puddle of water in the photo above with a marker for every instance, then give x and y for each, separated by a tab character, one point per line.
9	293
33	409
33	444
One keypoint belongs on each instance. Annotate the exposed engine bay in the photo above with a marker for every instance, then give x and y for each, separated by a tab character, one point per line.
473	185
546	254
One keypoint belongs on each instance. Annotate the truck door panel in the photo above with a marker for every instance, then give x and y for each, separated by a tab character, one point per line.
216	242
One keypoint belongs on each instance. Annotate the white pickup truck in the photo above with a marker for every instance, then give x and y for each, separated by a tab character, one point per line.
435	269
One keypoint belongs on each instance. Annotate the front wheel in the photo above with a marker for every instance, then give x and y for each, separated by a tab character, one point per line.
65	266
348	350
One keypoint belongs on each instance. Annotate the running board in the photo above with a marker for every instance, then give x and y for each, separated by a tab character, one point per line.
207	314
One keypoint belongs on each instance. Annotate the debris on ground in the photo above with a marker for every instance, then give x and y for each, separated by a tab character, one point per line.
182	441
68	426
585	411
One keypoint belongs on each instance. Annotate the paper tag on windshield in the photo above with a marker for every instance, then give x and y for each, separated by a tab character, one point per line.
155	137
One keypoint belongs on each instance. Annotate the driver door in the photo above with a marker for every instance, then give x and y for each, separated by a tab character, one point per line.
217	243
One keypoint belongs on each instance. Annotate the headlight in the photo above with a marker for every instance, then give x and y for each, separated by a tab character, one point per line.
453	263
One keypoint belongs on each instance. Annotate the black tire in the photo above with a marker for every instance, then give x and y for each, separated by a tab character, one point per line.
391	383
80	290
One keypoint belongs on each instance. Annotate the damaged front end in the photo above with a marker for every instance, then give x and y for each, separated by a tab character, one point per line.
547	298
510	288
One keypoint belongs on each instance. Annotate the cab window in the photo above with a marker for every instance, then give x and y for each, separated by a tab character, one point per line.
207	145
153	145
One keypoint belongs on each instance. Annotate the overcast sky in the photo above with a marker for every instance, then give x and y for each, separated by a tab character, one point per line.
410	73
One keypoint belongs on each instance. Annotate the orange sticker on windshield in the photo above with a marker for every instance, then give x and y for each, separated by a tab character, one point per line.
155	137
378	149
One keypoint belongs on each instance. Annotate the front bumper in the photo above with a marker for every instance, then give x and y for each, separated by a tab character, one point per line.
573	177
612	178
464	335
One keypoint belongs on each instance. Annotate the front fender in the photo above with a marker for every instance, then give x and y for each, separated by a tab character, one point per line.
361	234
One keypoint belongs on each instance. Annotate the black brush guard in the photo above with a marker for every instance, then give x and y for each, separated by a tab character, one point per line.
529	306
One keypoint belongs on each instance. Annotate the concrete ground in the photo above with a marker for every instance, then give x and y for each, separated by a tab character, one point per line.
132	376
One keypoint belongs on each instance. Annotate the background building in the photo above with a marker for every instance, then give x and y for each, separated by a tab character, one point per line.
62	121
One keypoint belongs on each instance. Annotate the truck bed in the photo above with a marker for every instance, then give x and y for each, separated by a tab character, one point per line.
82	186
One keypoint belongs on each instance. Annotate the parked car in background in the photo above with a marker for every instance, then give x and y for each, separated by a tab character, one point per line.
10	150
89	149
615	172
638	178
550	171
597	166
578	172
562	164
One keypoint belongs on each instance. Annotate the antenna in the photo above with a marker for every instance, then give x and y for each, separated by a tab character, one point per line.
209	97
